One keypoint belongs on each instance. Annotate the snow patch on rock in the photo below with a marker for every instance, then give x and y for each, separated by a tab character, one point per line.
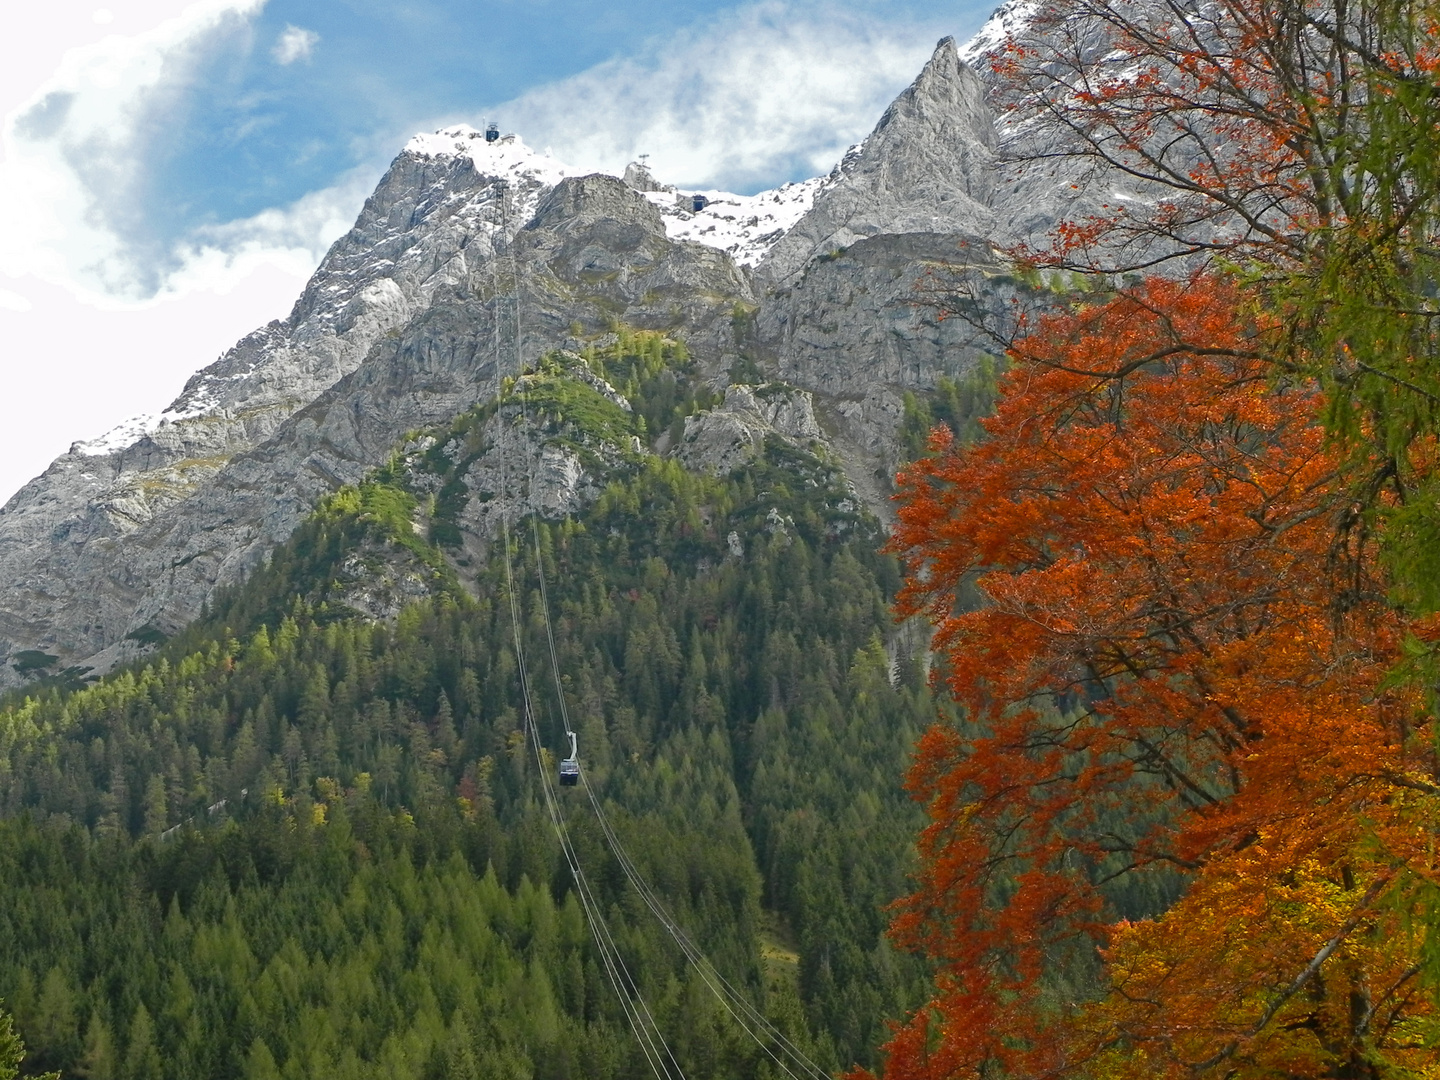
743	226
1007	20
124	434
507	157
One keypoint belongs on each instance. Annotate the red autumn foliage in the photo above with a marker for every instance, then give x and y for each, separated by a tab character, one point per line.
1174	682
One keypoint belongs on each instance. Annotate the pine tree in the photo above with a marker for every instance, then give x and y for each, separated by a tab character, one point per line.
12	1051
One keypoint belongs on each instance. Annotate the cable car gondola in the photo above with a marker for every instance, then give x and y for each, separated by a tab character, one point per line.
570	767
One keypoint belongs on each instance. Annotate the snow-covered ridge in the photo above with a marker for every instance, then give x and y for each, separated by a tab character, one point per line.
1007	20
120	437
744	226
129	432
507	156
528	173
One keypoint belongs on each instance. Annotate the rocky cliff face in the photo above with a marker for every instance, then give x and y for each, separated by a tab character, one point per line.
472	258
928	167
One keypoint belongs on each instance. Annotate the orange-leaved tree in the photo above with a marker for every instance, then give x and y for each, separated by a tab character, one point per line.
1186	824
1294	140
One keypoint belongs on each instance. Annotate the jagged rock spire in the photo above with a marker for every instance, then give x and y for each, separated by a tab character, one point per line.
928	167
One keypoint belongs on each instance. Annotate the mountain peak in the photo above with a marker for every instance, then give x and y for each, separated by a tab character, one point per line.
501	156
945	101
941	66
396	326
1006	22
927	167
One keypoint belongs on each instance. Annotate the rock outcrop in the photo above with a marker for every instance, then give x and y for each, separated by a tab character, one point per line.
86	549
724	438
594	251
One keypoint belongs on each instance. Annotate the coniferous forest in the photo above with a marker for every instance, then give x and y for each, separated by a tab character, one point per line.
299	842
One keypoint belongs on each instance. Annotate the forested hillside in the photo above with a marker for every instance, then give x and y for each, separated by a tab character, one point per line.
302	842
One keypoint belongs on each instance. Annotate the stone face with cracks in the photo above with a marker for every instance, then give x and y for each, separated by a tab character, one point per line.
928	167
442	363
84	547
725	438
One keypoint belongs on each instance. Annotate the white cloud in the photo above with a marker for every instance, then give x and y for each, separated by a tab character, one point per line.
10	301
294	44
760	96
77	150
292	238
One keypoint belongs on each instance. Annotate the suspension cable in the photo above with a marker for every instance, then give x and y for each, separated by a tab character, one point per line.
751	1020
535	518
652	1043
754	1022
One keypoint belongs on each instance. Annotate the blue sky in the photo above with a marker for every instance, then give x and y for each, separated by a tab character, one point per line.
162	155
253	132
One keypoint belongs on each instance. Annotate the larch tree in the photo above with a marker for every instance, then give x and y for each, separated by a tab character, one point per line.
12	1051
